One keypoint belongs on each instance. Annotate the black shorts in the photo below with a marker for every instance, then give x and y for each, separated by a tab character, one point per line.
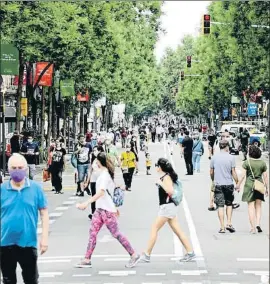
224	195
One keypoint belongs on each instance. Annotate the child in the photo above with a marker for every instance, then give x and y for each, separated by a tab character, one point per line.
148	163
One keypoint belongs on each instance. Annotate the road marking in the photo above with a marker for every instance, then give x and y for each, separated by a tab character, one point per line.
254	259
117	273
229	283
227	273
189	272
54	260
117	259
61	208
74	197
103	256
155	274
56	214
193	234
81	275
50	274
69	202
258	273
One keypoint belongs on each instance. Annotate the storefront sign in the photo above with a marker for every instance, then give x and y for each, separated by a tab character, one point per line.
252	109
24	107
83	97
46	79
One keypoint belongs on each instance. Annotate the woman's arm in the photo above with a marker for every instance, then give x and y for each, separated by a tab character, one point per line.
266	182
241	179
84	205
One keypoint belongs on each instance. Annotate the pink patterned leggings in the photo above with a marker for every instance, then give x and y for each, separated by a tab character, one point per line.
100	218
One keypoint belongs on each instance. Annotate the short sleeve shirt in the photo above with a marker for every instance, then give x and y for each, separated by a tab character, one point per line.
223	163
29	149
84	154
19	213
105	182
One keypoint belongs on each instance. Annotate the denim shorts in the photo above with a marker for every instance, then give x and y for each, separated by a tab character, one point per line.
168	210
82	172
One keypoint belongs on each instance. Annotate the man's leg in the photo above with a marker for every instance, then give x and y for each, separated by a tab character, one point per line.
220	202
28	262
186	162
9	264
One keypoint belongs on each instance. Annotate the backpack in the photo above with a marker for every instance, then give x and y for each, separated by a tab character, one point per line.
177	193
118	196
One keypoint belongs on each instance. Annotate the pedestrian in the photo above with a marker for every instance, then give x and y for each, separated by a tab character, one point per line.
133	149
128	165
187	146
58	165
153	133
197	152
159	132
148	163
82	153
211	142
21	200
171	139
244	139
167	211
111	151
106	213
30	151
222	172
15	142
254	169
93	175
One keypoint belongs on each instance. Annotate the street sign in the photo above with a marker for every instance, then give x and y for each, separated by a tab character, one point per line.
24	107
46	79
9	60
252	109
225	113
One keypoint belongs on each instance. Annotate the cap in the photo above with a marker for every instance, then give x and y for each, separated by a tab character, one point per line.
223	144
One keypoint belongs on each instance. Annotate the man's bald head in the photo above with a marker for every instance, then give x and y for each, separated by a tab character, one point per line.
17	161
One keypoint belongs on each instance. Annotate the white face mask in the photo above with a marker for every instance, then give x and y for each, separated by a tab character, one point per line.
95	153
30	140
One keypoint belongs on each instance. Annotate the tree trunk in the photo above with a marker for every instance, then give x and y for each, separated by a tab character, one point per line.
81	119
54	117
64	121
49	116
42	123
19	91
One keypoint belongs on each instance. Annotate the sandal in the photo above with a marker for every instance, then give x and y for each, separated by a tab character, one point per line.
259	229
230	228
221	231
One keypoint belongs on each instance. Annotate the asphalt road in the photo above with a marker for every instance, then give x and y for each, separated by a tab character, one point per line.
224	259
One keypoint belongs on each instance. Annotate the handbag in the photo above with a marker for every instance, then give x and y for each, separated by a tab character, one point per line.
258	185
46	176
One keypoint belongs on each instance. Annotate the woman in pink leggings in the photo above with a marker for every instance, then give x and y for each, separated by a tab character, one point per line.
105	213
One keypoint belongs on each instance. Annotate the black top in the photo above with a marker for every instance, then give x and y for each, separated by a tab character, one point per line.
212	139
15	144
30	150
58	158
188	144
163	195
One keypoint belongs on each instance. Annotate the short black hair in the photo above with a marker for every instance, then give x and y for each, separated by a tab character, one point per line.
187	132
254	152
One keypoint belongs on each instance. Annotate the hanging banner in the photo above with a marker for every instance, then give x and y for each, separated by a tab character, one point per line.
46	79
252	109
9	60
83	97
67	88
24	107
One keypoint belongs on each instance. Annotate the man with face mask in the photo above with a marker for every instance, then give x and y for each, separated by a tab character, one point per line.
82	152
21	200
30	151
111	151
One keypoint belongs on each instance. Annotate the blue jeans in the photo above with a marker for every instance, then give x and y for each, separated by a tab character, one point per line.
196	159
82	172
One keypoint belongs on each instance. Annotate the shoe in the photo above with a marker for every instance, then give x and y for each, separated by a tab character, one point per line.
81	194
259	229
188	257
230	228
221	231
84	264
144	257
133	261
90	216
236	205
57	192
53	189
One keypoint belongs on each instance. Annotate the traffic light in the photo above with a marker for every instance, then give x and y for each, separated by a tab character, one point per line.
206	24
182	75
188	61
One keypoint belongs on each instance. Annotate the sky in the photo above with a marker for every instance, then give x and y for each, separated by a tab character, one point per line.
180	18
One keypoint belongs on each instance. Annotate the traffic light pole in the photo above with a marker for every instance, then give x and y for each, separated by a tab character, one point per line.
3	134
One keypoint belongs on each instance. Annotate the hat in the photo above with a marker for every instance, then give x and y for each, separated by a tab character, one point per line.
223	144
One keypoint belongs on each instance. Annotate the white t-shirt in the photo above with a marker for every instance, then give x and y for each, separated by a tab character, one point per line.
95	171
105	182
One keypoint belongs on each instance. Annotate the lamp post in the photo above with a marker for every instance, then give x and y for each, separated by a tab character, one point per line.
2	109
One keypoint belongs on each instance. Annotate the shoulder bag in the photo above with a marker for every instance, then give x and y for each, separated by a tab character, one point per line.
258	185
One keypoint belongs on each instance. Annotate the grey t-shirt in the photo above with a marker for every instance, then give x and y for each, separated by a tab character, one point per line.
222	163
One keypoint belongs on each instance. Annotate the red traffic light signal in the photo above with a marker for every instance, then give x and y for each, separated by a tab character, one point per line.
182	75
206	24
188	61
